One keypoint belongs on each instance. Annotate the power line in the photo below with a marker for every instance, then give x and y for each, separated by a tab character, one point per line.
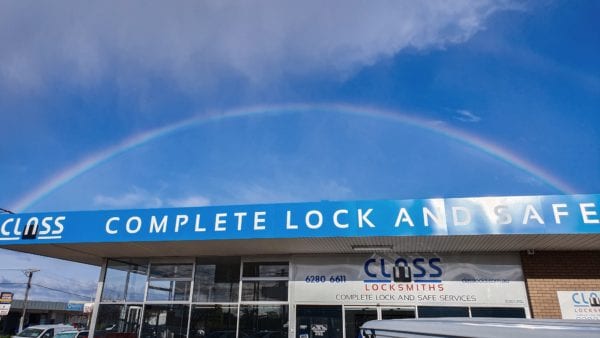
6	211
47	287
57	290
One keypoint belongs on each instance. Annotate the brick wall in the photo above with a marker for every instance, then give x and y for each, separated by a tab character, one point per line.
549	271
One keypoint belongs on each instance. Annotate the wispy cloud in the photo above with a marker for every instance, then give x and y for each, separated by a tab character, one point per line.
138	198
466	116
189	201
141	198
295	191
196	43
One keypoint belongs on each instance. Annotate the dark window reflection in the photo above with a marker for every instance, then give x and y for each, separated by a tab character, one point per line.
355	318
118	319
265	291
397	313
165	321
266	269
171	271
263	321
125	281
217	280
443	311
213	321
166	290
498	312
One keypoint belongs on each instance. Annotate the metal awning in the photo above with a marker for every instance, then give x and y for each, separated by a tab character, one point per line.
452	225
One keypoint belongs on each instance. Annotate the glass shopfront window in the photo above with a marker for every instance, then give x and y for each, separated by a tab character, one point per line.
226	297
319	321
118	319
265	284
165	321
217	279
169	282
157	299
266	269
355	317
265	291
398	312
213	321
171	270
442	311
498	312
125	281
168	290
263	321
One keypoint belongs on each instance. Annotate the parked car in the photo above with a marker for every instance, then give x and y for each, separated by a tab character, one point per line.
479	327
43	331
72	334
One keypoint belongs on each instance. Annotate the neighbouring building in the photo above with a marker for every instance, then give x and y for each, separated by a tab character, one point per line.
43	312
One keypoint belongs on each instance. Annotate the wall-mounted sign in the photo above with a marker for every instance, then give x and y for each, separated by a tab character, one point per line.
4	309
5	302
447	280
579	304
75	306
568	214
88	307
318	330
6	297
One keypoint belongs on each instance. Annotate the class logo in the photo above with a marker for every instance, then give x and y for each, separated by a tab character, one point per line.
403	270
586	299
14	228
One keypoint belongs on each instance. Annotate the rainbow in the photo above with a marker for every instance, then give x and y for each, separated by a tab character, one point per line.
90	162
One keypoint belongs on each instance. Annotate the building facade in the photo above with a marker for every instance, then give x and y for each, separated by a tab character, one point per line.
43	312
322	269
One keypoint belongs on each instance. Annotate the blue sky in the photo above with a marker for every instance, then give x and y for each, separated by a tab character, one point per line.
290	102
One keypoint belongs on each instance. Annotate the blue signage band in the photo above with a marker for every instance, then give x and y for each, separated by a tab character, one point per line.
556	214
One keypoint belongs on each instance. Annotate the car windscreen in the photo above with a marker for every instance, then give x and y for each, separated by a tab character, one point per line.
30	332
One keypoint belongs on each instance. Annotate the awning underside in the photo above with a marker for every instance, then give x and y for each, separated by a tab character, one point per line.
93	253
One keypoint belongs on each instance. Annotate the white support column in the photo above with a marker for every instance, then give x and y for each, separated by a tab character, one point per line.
98	295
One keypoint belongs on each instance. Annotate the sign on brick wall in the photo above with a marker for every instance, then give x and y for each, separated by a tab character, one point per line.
579	304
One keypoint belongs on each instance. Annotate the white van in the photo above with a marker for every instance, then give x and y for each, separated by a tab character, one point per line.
480	328
43	331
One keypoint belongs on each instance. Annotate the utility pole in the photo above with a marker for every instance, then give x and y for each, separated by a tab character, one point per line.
29	274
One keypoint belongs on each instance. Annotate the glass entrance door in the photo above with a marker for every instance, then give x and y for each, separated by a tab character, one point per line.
356	317
319	321
326	321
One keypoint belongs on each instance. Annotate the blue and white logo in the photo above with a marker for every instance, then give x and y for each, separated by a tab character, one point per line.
404	269
15	228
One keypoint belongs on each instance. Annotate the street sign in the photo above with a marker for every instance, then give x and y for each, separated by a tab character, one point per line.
75	306
4	309
5	301
6	297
